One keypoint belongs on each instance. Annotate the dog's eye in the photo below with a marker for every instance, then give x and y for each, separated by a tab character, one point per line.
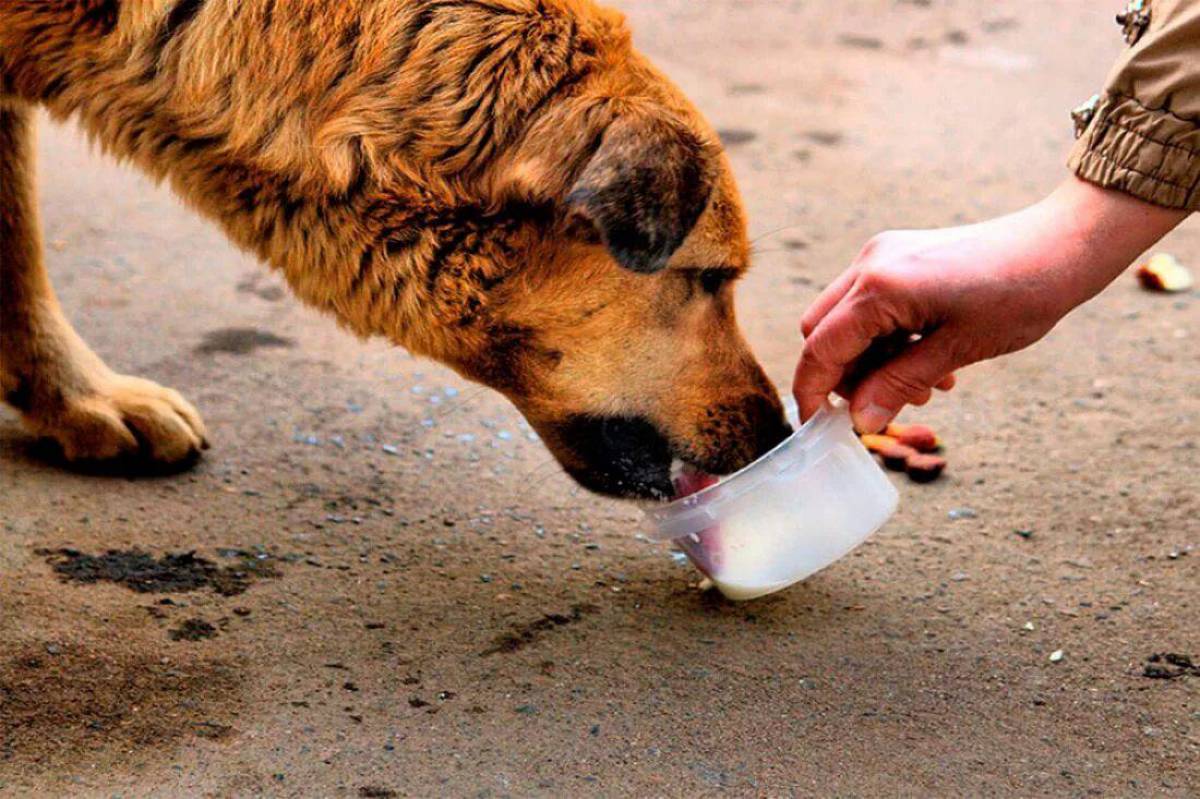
711	280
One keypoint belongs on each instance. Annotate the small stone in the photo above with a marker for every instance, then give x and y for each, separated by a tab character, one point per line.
959	577
962	513
526	710
1056	656
390	449
485	578
1029	626
53	649
1024	533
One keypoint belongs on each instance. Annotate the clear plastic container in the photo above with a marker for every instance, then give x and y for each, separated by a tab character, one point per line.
794	511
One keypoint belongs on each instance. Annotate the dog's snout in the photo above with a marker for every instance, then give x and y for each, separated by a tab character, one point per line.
736	433
768	423
618	455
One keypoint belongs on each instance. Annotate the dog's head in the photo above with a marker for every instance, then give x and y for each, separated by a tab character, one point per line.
592	283
616	335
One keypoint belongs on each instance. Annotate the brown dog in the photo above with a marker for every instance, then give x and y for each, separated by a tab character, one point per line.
503	185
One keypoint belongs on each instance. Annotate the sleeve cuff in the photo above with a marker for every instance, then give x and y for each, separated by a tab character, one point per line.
1149	153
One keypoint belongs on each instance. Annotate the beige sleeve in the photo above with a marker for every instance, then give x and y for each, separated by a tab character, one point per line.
1142	135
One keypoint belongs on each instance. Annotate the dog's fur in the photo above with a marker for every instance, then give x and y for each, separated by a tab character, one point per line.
503	185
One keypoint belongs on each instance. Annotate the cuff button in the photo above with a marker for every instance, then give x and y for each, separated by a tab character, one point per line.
1084	114
1134	20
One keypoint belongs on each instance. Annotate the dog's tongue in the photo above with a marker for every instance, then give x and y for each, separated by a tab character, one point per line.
689	482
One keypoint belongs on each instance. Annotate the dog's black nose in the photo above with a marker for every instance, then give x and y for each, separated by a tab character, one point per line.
622	456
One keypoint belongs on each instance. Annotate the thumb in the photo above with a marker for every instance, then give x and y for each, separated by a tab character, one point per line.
906	379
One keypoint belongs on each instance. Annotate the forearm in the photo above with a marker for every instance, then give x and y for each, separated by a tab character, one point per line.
1097	232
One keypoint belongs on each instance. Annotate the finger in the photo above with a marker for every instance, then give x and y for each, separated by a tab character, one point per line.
947	383
908	379
828	298
835	344
923	399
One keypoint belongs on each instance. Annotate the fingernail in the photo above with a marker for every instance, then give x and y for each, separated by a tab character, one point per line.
872	419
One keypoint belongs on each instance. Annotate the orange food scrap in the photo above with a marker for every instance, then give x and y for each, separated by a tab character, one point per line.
877	443
896	456
918	436
925	468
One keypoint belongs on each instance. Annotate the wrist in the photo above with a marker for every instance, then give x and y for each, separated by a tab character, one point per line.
1096	234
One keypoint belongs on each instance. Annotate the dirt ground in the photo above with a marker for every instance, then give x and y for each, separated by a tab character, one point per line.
395	592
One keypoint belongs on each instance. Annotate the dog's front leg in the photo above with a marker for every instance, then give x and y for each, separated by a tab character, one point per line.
62	389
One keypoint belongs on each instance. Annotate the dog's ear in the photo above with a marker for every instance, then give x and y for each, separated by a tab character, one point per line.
643	189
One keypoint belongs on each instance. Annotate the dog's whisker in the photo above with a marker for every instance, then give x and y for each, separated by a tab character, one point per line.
776	231
531	486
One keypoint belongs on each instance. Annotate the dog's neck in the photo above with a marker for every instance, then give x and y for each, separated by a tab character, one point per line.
365	168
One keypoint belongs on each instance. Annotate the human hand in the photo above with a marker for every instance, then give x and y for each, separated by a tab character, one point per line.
970	293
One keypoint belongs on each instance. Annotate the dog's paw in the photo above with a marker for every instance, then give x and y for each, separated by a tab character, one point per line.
123	418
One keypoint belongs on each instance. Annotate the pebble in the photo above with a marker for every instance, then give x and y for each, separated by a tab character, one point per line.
959	577
962	513
390	449
1029	626
1056	656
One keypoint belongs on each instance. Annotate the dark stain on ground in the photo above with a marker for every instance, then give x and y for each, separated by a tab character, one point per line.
747	88
735	137
375	792
270	293
1170	666
1001	24
826	138
171	574
87	700
193	630
241	341
523	635
860	42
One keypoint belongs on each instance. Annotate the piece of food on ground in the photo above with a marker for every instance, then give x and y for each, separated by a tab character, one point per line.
918	436
923	468
1164	273
896	456
908	448
877	443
